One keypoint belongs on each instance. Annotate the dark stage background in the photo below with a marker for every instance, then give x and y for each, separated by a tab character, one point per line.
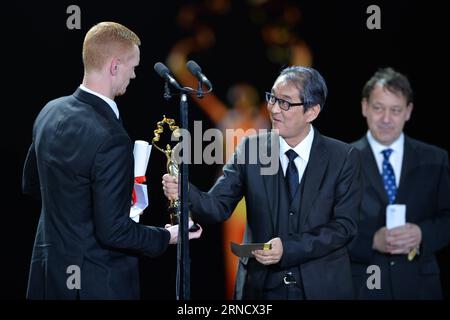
42	60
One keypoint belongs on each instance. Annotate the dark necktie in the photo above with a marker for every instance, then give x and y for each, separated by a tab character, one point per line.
292	173
389	176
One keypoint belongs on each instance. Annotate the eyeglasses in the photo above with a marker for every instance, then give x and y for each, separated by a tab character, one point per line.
283	104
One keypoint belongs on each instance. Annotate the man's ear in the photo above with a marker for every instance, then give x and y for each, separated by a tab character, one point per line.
114	66
364	106
312	113
409	109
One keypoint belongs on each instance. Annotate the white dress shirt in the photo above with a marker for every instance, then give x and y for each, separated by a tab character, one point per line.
303	149
110	102
396	157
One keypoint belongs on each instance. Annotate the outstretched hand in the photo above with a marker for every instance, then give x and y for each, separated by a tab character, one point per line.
173	229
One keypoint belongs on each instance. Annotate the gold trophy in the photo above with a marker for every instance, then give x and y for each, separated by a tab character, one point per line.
172	163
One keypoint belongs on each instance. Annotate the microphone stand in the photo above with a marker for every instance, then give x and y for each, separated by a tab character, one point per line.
183	290
183	259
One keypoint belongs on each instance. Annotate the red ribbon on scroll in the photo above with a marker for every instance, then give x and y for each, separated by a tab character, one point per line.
140	179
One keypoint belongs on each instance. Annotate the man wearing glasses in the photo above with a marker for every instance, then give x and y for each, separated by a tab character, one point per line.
307	210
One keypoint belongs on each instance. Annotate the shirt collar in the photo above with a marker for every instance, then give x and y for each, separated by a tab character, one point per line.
109	101
378	147
303	149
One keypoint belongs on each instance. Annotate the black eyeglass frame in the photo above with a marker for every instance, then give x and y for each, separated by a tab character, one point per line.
281	102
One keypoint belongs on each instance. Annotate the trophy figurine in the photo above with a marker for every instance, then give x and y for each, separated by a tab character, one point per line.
172	166
172	163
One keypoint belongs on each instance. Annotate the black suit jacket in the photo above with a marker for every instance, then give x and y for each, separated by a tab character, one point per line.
80	164
329	208
425	189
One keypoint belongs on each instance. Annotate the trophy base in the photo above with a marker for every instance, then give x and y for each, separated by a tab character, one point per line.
174	214
194	227
175	219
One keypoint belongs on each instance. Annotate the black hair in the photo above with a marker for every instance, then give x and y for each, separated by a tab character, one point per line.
311	85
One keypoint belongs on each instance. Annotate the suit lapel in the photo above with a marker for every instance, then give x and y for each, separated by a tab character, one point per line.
410	160
313	176
271	183
371	170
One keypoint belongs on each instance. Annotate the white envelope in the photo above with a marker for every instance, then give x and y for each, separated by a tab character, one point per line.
395	215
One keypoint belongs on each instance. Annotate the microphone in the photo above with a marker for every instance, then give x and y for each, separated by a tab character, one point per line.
164	73
195	69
